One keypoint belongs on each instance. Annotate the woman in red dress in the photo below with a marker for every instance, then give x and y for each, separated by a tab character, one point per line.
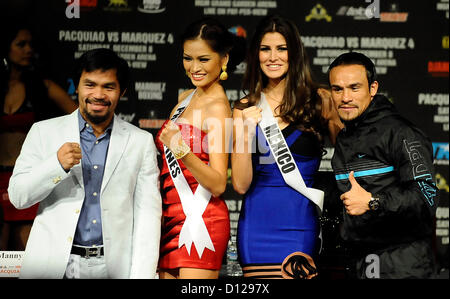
195	137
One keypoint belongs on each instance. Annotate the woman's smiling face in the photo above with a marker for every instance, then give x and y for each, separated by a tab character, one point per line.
201	63
273	55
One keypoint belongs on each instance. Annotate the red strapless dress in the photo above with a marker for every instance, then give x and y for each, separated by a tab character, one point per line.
216	215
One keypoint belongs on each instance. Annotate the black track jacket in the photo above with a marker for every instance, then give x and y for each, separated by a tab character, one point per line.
393	160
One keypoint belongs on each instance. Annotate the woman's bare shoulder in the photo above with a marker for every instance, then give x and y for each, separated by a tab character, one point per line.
182	96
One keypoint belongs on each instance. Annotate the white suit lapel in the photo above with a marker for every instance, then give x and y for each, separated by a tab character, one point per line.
117	145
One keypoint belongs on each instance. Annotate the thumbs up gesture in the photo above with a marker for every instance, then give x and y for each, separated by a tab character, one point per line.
356	200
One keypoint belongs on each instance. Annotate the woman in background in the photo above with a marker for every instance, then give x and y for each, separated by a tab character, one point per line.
25	97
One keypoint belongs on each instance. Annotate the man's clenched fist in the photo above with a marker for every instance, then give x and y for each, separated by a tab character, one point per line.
69	155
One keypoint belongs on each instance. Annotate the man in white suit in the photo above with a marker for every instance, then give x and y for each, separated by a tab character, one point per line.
96	179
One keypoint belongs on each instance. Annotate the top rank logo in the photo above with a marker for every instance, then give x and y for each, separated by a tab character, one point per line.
318	12
117	6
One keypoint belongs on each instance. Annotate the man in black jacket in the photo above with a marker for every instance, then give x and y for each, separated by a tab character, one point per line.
384	169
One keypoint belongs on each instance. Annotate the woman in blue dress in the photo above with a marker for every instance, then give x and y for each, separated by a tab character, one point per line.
277	221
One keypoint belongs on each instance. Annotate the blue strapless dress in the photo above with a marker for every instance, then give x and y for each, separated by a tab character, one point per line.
275	219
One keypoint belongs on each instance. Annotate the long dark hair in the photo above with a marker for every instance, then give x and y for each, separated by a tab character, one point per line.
301	105
8	35
32	76
221	41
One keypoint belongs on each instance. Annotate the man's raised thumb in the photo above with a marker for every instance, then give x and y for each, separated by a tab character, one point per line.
351	178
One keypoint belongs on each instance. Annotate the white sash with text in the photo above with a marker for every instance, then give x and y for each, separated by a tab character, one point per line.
194	229
283	156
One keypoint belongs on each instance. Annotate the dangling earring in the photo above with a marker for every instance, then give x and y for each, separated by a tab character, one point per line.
187	74
6	64
224	74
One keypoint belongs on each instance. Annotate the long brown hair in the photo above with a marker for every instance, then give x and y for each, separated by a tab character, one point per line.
301	105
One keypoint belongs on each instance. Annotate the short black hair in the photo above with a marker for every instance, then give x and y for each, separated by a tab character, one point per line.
356	58
104	60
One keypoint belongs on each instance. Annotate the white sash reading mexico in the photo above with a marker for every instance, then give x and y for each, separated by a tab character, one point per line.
283	156
194	229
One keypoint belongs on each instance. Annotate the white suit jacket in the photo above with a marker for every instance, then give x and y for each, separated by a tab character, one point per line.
130	200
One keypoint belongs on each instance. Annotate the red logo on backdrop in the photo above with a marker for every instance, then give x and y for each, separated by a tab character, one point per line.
88	3
83	3
438	68
399	17
394	14
238	31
